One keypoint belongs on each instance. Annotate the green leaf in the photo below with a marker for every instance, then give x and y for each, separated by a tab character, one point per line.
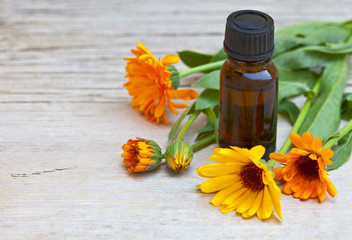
208	98
323	117
329	34
177	124
295	82
194	59
346	107
282	44
306	57
216	110
175	76
221	55
212	117
348	24
289	108
205	131
342	152
303	29
307	34
209	126
210	80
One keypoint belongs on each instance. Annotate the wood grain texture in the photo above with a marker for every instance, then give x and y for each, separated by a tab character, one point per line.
64	116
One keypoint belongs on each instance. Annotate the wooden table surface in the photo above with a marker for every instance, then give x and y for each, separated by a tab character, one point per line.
64	116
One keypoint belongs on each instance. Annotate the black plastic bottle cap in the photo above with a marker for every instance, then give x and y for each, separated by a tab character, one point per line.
249	36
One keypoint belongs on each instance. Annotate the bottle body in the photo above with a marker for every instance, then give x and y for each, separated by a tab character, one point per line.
248	104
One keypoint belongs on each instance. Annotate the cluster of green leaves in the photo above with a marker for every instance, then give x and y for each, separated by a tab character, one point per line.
303	54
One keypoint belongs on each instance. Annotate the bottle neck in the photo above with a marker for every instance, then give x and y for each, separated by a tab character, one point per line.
249	66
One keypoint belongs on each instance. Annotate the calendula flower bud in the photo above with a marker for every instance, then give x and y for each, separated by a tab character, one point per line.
178	155
141	155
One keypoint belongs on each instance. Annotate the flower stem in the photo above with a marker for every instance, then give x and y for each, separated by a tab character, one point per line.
188	124
203	143
300	119
342	132
301	116
201	68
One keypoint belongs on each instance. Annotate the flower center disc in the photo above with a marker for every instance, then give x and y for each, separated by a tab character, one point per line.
251	177
308	167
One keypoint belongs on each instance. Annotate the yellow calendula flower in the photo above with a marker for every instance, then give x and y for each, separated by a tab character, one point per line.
305	170
141	155
242	181
178	155
150	86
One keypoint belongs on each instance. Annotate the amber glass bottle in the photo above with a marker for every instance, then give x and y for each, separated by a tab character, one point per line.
249	83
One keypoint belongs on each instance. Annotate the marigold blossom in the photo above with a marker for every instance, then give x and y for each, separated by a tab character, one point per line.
178	155
242	182
305	170
141	155
150	86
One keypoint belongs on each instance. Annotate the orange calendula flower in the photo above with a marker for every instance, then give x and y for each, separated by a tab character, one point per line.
141	155
150	85
242	181
305	170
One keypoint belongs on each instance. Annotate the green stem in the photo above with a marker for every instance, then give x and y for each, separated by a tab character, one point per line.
342	132
188	124
301	116
203	143
201	68
300	119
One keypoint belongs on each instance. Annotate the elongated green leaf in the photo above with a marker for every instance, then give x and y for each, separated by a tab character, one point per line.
193	59
209	126
295	82
212	117
177	124
306	57
283	44
342	152
323	117
346	107
221	55
303	29
325	36
205	131
208	98
216	110
329	34
348	24
288	107
210	80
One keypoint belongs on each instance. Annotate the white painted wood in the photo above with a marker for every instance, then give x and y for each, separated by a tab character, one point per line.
64	116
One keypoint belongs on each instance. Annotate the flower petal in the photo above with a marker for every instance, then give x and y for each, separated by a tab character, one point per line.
184	94
317	145
212	170
266	208
330	188
256	204
308	139
275	197
220	197
246	201
297	140
170	59
160	108
326	154
278	172
257	152
218	183
277	157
